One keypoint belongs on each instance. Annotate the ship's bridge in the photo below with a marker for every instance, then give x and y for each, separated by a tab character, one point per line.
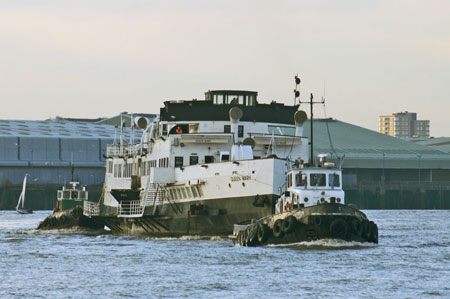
311	186
217	105
232	97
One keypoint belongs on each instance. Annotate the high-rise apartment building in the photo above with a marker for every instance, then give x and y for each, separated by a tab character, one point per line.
404	124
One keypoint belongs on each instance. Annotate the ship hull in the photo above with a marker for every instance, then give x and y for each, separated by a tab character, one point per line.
202	217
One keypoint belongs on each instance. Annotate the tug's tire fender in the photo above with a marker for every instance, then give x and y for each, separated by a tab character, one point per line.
263	233
277	229
373	232
357	227
339	228
289	224
317	220
366	229
252	238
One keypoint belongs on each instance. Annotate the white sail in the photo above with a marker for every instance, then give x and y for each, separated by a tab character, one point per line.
21	201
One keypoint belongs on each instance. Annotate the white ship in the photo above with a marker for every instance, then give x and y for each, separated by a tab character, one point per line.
202	166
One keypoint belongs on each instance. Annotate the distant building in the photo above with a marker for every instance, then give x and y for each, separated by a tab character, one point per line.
404	125
53	151
439	143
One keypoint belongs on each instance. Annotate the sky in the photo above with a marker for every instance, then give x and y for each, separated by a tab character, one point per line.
99	58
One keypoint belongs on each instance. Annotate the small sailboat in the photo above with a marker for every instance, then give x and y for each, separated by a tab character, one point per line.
20	204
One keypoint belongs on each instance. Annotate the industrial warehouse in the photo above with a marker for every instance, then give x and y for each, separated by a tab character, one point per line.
379	171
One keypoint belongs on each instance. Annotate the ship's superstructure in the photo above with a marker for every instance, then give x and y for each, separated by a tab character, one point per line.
202	166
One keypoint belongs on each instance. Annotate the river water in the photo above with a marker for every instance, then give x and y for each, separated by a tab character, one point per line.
411	261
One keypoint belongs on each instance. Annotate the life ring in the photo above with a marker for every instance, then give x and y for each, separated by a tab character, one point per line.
338	228
178	130
263	233
289	224
277	229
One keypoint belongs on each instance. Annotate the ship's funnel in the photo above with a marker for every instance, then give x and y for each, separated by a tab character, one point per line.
235	115
141	122
299	117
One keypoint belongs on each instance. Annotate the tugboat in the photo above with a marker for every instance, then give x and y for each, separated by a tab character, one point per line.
312	208
68	212
69	198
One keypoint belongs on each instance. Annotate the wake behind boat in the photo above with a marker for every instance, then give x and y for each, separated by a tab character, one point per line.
21	202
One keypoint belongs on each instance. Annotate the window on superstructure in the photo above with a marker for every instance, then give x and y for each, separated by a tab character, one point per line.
240	131
298	179
251	100
317	179
178	161
193	160
164	129
219	99
227	129
333	180
209	159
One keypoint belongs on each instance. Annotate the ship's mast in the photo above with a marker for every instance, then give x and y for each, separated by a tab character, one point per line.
311	103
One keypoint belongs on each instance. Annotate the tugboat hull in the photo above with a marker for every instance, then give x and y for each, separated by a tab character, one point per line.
326	221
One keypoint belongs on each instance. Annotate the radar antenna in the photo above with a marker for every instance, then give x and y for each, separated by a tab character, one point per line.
310	102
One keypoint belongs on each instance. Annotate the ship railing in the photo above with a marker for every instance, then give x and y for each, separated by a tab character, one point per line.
91	208
131	208
119	150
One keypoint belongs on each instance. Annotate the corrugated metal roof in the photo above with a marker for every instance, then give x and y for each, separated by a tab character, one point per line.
439	143
61	128
364	148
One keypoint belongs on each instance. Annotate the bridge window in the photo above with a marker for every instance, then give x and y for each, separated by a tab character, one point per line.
317	179
219	99
298	179
333	180
289	180
251	100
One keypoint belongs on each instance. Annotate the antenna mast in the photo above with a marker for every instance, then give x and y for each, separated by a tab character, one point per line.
310	102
